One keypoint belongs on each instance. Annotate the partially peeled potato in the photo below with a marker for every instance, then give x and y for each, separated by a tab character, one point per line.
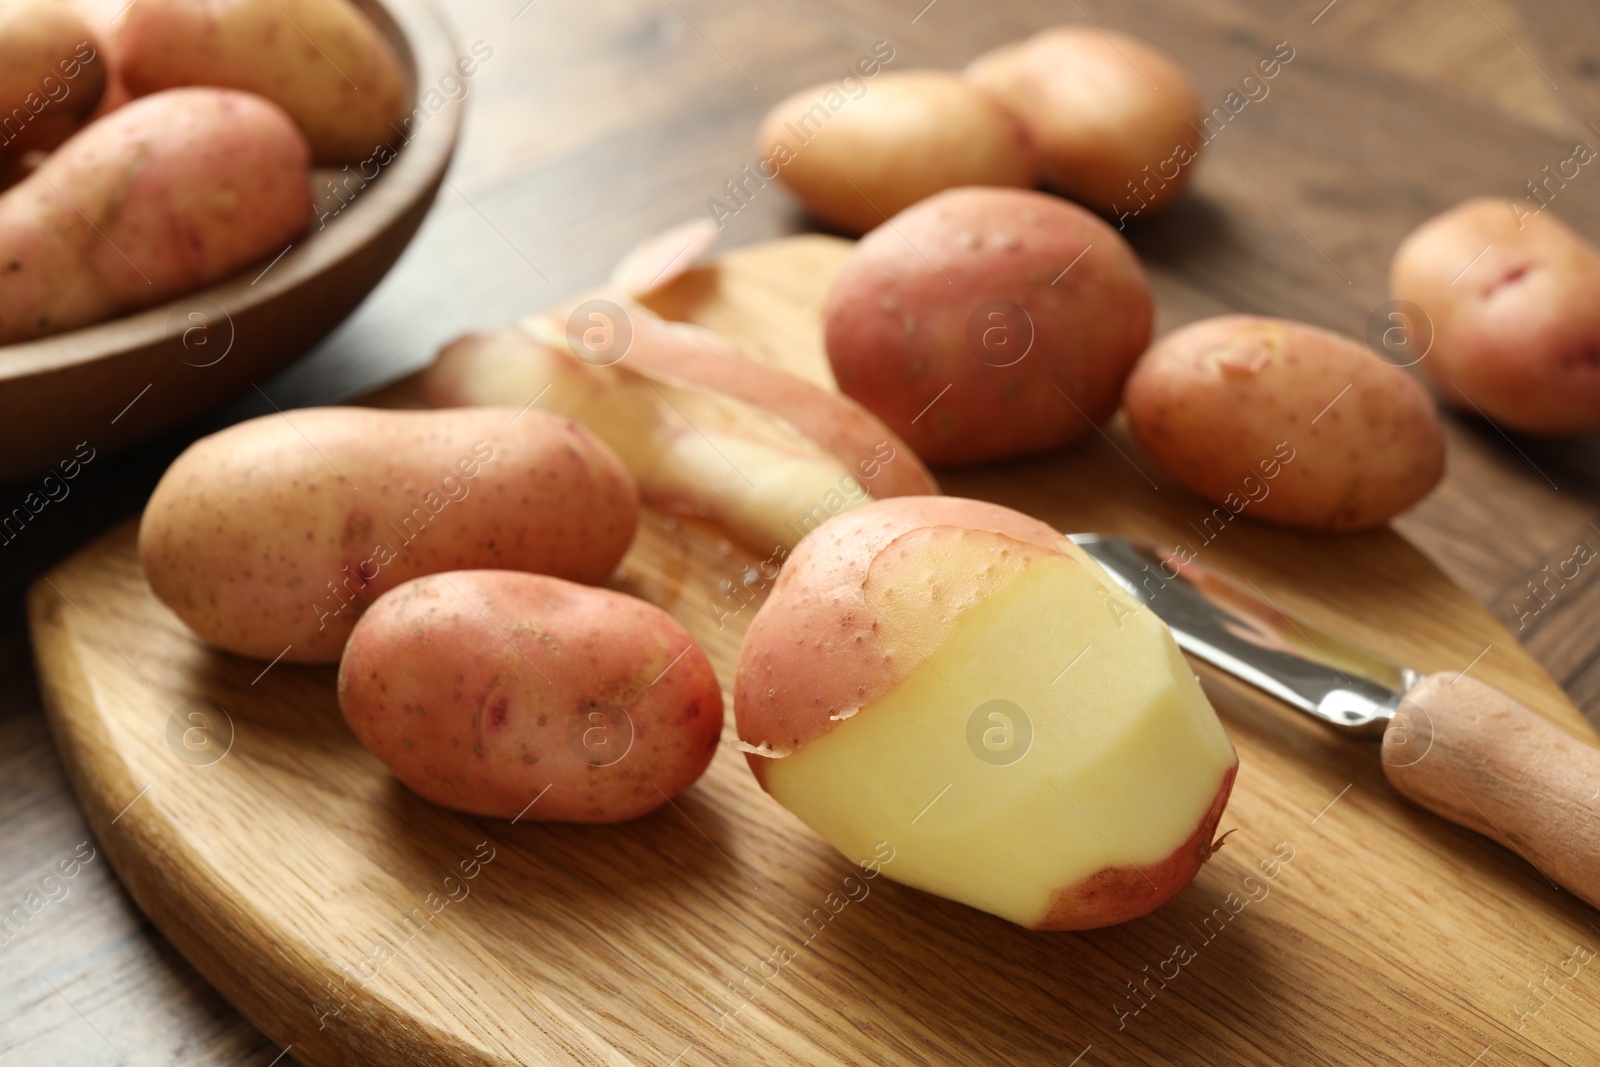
959	681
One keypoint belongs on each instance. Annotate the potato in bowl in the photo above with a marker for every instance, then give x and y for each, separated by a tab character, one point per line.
201	348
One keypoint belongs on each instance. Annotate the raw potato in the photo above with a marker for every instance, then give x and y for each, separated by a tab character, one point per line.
322	61
937	649
484	691
928	324
1100	107
1517	336
1286	423
274	535
705	430
159	198
907	136
51	78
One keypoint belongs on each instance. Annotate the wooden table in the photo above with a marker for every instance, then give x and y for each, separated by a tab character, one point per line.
594	124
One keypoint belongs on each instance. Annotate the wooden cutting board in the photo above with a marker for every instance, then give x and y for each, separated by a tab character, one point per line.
286	864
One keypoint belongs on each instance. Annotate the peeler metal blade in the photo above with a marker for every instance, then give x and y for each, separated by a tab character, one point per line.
1242	632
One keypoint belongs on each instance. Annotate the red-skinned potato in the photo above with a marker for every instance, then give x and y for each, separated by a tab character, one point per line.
985	324
1511	297
934	649
1286	422
486	691
161	197
271	537
322	61
52	76
1100	108
908	135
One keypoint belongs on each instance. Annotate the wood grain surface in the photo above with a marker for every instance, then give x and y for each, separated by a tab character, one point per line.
284	861
597	123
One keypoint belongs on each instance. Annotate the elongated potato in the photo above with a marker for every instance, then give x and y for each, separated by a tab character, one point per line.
1286	423
908	135
486	691
273	536
705	430
52	76
322	61
1511	297
1113	121
162	196
985	324
930	645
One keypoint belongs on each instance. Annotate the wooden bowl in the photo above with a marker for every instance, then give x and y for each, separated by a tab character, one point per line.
120	382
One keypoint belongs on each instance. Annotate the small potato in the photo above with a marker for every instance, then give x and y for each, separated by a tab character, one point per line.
988	323
322	61
1286	423
51	77
163	196
271	537
1512	298
506	694
1112	120
855	161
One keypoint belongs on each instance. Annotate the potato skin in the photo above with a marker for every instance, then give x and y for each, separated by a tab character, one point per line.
51	72
1322	430
481	690
322	61
684	354
278	532
820	599
906	317
1099	108
163	196
909	135
1517	337
470	370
